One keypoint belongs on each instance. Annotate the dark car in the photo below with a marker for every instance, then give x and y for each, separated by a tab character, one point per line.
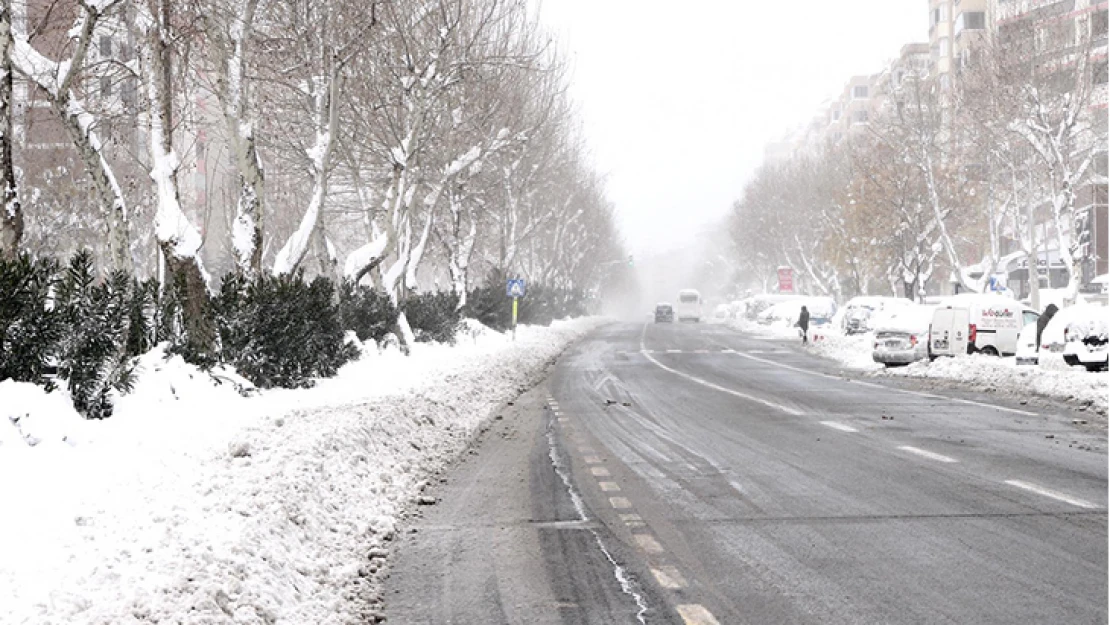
664	313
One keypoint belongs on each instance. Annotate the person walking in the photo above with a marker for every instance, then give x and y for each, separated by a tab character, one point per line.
1042	322
803	323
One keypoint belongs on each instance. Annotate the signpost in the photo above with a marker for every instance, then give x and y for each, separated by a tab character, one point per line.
514	288
786	280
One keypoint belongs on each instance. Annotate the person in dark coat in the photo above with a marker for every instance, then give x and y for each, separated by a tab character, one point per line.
1042	322
803	323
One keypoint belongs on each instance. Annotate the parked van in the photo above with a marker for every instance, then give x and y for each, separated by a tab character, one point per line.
975	323
689	306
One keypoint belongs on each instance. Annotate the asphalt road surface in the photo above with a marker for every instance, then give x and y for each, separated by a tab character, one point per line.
671	473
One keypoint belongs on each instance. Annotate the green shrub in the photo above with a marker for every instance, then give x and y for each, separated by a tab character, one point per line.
434	317
281	330
366	311
30	326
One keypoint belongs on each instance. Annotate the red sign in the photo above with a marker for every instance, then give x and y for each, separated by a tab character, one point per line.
786	280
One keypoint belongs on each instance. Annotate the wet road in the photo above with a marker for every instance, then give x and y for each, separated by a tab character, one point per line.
691	474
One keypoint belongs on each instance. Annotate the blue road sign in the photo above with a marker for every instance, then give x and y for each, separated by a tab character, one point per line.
514	288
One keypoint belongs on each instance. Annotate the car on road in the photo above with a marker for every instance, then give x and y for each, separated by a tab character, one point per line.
664	313
721	312
903	337
1085	338
689	305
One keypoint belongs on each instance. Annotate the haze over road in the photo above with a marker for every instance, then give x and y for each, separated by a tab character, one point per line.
690	474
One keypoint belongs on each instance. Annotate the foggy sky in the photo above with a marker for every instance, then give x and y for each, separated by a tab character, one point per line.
678	99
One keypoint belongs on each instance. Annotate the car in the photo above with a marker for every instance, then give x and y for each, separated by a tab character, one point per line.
1085	338
902	337
755	305
821	311
861	314
689	305
664	313
1027	353
721	312
975	323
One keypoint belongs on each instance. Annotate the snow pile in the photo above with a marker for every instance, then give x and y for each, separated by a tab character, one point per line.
195	504
766	331
1002	375
852	351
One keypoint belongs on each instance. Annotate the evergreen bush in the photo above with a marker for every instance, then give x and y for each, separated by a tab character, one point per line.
92	354
30	326
434	316
366	311
280	330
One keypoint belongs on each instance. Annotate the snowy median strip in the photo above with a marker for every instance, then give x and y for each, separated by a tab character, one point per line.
193	504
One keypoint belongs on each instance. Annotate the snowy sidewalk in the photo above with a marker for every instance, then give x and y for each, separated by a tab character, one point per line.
196	505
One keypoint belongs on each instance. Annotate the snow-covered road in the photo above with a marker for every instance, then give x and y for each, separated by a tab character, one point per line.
196	505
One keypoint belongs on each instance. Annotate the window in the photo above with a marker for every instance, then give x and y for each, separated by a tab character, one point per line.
127	94
945	48
859	91
860	117
971	20
1098	25
1098	71
1028	318
105	46
105	86
836	116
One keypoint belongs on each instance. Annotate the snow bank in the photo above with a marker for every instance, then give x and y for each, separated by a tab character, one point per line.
195	504
989	374
1074	385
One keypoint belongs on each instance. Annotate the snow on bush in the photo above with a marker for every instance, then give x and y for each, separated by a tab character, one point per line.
195	504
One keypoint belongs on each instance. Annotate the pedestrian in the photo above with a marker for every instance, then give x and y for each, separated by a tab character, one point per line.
803	323
1042	322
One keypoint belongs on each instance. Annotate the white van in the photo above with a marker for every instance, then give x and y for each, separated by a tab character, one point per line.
689	306
975	323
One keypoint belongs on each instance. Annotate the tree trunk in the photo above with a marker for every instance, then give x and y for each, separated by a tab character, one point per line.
11	214
178	240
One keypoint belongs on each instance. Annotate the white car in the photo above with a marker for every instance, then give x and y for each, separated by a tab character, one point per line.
821	311
1027	353
861	313
1085	338
903	336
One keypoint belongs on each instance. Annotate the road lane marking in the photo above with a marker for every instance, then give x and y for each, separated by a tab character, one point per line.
586	449
563	420
608	487
927	454
695	614
669	577
599	471
1033	488
887	388
593	460
674	351
839	426
648	544
717	387
632	520
620	503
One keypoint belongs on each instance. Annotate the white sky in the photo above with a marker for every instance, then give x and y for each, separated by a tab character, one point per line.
678	99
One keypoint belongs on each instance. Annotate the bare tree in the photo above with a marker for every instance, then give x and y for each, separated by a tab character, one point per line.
11	215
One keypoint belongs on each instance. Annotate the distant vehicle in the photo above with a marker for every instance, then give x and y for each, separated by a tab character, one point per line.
1085	338
861	314
976	323
689	305
903	337
664	313
1027	353
721	313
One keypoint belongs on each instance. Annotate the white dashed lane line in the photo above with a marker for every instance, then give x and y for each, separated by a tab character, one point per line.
599	471
620	503
695	614
669	577
1051	494
927	454
839	426
648	544
608	487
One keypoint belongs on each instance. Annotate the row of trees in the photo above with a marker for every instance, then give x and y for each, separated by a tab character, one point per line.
400	144
942	181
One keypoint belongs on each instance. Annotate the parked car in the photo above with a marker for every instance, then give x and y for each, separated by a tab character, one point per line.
757	304
664	313
1027	352
689	305
821	311
1085	338
860	314
903	336
976	323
